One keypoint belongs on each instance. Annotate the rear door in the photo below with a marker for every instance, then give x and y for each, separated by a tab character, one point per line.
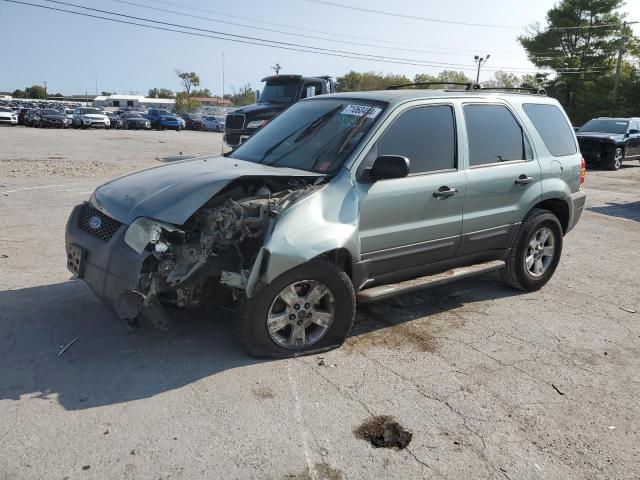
402	224
503	178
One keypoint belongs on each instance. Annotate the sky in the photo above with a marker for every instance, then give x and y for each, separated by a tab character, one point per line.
76	54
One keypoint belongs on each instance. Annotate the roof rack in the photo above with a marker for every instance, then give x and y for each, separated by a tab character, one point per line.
472	86
468	85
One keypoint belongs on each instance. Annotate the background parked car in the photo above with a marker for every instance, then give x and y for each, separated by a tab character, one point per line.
28	117
609	141
154	114
50	118
134	120
8	116
168	121
192	122
213	124
21	114
114	120
87	117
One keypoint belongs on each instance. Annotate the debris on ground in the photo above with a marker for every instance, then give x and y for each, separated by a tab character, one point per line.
66	347
557	389
630	310
382	431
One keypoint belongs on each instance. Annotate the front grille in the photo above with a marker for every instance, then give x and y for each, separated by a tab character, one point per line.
235	121
108	226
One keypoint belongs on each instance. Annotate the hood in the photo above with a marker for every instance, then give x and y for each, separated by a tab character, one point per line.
54	117
98	116
600	135
173	192
266	109
7	114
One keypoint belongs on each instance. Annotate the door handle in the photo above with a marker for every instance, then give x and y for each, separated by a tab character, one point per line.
524	180
444	192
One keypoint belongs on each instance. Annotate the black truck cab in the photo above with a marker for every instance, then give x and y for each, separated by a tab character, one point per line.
278	94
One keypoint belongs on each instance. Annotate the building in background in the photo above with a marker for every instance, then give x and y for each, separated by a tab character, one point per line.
212	101
124	101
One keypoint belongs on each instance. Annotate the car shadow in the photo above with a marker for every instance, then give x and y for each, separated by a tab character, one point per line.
630	211
111	362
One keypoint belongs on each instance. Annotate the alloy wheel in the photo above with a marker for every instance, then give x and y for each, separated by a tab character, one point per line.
540	252
301	314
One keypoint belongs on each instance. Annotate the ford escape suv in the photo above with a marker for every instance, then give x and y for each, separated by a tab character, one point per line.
343	198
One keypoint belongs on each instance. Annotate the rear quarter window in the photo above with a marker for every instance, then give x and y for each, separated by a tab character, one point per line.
553	127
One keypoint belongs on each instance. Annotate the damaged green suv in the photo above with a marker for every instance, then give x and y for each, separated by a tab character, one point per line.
342	198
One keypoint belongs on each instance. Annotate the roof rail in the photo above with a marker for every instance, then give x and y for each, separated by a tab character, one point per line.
468	85
534	90
472	86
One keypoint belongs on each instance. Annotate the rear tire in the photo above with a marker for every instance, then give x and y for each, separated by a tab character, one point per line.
257	312
529	266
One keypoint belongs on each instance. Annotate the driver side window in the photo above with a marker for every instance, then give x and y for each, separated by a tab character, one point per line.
425	135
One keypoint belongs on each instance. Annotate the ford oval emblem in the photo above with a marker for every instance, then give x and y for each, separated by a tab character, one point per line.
95	222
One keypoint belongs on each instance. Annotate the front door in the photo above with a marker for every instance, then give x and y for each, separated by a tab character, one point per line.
411	222
503	179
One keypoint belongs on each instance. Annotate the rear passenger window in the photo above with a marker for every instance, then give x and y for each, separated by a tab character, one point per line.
425	135
494	135
552	126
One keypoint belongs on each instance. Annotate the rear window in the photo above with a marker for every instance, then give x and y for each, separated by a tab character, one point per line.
552	126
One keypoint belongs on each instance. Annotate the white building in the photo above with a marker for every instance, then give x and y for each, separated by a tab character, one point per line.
122	101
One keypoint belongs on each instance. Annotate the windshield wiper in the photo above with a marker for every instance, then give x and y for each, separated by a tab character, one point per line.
353	130
316	124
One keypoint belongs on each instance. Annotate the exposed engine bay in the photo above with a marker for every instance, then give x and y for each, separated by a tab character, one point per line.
208	260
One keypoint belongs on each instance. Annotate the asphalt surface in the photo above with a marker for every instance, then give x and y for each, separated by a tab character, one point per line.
490	382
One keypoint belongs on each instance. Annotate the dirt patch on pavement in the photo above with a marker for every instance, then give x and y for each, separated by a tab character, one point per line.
64	168
383	431
322	472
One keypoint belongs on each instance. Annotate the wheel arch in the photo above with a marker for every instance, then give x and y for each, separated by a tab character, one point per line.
558	207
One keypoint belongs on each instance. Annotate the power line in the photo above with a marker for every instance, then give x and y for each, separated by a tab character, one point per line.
449	22
245	39
257	39
324	32
315	37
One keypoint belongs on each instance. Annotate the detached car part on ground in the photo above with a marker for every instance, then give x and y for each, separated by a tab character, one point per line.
610	141
341	197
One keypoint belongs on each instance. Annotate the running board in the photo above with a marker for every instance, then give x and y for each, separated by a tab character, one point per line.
382	292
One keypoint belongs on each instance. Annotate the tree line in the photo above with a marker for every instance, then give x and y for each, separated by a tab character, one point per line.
577	52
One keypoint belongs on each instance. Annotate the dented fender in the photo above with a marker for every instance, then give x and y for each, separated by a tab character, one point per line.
322	221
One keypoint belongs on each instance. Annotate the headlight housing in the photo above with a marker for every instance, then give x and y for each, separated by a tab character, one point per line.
256	123
145	230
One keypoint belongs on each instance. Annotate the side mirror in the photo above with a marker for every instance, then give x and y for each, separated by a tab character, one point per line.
634	131
388	167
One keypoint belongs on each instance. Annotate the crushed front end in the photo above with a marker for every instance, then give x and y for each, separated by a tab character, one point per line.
139	269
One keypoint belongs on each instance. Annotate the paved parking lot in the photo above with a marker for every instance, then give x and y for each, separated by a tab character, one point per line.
492	383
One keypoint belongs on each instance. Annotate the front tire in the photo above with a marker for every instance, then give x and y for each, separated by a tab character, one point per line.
309	309
615	162
535	252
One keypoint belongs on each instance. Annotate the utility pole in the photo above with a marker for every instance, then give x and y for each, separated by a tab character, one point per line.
45	89
223	78
622	49
480	61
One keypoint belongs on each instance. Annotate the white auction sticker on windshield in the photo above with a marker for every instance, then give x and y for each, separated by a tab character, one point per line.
360	110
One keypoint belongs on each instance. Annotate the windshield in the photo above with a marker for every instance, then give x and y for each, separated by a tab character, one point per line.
86	111
133	115
605	126
316	136
3	109
49	112
282	93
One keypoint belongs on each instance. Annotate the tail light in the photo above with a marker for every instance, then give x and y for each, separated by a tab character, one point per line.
583	172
